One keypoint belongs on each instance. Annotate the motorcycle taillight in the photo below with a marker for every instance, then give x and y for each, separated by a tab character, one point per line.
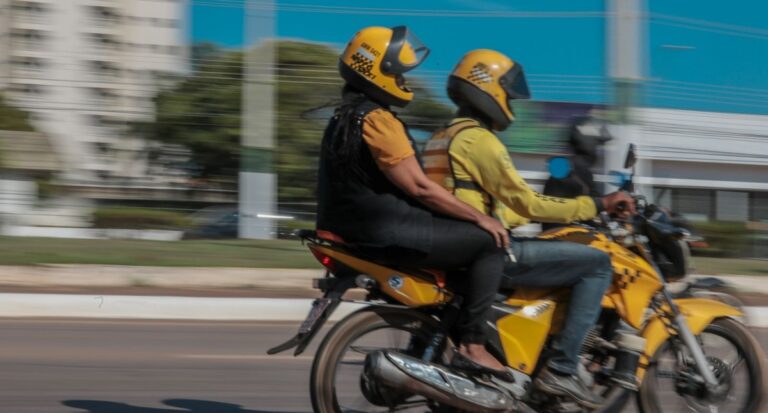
324	259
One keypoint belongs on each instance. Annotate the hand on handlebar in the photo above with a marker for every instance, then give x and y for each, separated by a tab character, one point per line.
620	204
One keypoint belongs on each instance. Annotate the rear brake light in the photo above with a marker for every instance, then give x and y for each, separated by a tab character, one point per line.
323	259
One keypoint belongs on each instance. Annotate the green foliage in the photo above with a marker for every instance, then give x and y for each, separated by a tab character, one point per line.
306	81
725	239
203	113
195	253
13	119
139	218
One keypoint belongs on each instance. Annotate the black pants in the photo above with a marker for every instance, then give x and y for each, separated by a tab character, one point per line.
458	245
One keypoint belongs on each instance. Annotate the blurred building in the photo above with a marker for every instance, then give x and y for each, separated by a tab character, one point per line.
86	69
704	165
27	163
708	166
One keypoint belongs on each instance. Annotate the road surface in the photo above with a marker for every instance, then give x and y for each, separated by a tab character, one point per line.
103	366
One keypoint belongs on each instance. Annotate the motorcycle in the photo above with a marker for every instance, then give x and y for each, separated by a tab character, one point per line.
673	354
571	176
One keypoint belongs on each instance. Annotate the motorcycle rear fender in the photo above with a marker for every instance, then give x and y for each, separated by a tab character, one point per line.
334	289
699	312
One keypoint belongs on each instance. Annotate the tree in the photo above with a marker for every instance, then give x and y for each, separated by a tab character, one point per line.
203	113
12	118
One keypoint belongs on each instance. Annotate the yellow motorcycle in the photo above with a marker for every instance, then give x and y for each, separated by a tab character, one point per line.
675	354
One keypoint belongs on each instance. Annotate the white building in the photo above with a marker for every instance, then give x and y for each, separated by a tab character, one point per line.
704	165
85	69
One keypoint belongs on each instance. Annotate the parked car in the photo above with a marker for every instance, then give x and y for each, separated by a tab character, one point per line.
216	222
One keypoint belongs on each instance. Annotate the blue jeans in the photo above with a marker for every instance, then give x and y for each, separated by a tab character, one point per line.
551	263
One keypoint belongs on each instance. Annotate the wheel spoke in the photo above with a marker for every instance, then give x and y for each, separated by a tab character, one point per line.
733	366
348	394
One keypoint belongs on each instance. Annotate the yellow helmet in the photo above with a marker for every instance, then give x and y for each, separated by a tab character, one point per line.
375	60
486	81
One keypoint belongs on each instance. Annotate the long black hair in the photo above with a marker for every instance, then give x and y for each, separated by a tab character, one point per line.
343	144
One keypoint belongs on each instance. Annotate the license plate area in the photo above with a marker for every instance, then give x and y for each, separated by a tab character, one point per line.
315	315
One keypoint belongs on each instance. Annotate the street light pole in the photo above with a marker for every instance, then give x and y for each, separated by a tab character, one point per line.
626	36
258	182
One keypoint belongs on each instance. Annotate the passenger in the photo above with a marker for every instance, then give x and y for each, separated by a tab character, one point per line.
373	193
470	161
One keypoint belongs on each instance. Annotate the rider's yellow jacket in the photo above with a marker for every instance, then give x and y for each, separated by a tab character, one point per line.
479	171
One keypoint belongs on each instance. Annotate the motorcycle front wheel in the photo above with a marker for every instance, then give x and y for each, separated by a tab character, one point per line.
735	357
335	381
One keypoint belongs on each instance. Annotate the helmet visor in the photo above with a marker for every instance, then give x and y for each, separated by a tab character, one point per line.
514	83
405	52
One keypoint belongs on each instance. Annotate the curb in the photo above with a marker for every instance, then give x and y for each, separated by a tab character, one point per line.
192	308
160	307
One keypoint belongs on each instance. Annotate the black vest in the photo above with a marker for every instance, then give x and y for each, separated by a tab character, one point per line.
359	203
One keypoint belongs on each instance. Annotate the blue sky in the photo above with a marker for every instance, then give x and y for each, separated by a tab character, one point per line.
702	55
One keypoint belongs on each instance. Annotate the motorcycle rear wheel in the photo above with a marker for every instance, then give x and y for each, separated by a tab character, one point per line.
326	396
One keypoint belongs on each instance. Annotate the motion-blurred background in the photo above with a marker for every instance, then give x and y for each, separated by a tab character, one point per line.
136	131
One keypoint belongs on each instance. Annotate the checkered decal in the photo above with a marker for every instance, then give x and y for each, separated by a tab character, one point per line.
626	279
479	74
362	62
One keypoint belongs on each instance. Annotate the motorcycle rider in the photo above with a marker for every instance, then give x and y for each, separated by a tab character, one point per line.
373	193
470	161
585	147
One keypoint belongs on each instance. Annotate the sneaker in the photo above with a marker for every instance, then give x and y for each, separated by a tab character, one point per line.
569	386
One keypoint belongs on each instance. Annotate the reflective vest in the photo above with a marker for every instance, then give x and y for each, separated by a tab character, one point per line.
437	163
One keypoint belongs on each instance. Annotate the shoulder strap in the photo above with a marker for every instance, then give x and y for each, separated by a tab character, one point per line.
462	183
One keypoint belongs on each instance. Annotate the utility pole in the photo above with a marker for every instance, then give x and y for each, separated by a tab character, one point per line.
258	182
626	36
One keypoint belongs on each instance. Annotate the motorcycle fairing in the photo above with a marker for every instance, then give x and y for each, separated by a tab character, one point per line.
534	320
408	288
635	280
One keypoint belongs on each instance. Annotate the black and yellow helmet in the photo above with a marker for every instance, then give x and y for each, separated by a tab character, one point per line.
375	60
486	81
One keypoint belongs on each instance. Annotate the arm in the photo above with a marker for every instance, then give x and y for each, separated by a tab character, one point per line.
409	177
489	164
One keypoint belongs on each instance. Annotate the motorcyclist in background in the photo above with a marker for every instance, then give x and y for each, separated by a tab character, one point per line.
469	160
373	193
585	136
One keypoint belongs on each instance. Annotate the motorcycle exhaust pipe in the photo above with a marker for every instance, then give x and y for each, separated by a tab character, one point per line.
405	373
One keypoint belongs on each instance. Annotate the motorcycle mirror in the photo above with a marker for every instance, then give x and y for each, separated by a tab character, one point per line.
631	158
559	167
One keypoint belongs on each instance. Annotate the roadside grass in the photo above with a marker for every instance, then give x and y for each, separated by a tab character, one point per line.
732	266
192	253
230	253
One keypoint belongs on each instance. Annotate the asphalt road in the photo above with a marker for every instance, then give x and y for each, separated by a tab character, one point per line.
151	367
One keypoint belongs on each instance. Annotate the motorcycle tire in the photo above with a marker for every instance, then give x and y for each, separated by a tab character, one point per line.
739	336
344	333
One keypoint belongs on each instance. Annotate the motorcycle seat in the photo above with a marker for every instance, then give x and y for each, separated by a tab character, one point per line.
328	236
